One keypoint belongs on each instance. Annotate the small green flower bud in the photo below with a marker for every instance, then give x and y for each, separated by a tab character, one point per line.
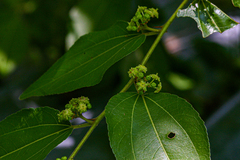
159	87
66	114
132	72
135	19
129	28
82	107
138	13
142	17
155	77
89	106
68	106
148	78
142	85
147	16
64	158
84	99
142	68
139	16
134	28
140	75
153	84
154	12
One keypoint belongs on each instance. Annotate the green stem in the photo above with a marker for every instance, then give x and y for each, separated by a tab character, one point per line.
81	125
151	29
151	33
94	125
164	29
127	85
101	116
85	119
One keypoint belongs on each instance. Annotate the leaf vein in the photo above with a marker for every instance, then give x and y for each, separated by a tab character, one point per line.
176	123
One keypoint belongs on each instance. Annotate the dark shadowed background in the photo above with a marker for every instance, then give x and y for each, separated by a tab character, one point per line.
206	72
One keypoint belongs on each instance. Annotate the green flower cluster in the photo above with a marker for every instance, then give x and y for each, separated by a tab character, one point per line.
75	108
137	72
142	82
63	158
142	17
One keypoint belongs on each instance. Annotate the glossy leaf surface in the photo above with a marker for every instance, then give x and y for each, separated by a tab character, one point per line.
236	3
209	17
86	61
31	134
156	126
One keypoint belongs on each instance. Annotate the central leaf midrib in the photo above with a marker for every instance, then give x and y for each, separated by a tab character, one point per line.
96	67
211	16
155	130
176	123
131	131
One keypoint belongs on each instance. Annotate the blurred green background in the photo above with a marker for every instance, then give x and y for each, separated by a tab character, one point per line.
206	72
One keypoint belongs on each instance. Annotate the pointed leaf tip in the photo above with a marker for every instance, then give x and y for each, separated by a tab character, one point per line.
86	61
209	18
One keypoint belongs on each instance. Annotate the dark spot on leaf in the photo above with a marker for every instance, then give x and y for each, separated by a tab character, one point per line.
171	135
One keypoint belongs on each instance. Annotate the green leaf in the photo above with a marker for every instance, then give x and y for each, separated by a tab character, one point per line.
31	134
86	61
155	126
236	3
209	17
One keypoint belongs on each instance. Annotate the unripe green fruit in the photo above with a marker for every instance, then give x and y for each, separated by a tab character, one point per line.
58	159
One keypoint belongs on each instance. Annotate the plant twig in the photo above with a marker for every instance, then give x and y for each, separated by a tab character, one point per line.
94	125
81	125
85	119
164	29
149	53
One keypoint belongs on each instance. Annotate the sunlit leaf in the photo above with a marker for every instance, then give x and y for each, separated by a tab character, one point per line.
209	17
31	134
156	126
236	3
86	61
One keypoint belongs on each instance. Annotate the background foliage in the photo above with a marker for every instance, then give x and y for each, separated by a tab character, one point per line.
206	72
